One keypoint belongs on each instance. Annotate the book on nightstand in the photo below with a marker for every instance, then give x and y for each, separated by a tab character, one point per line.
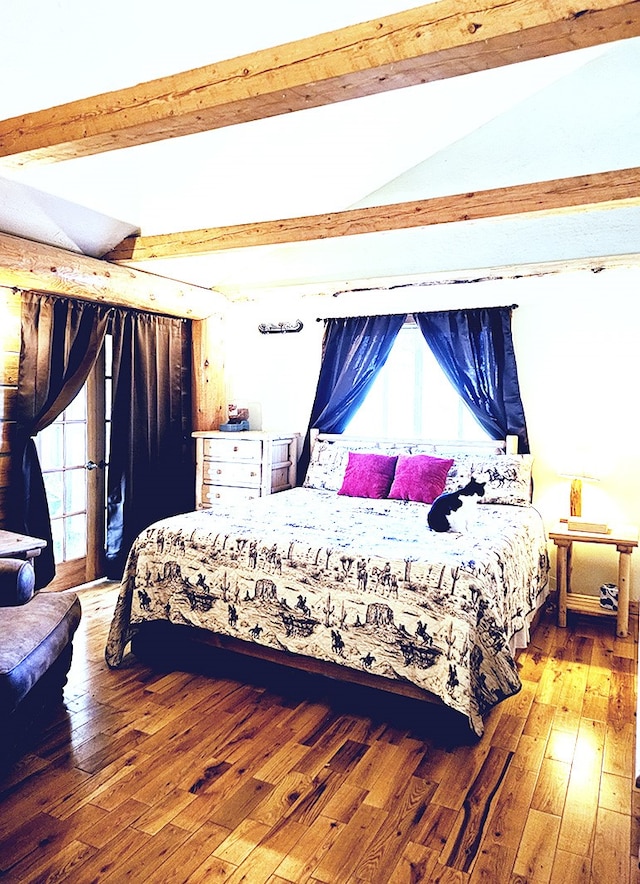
576	524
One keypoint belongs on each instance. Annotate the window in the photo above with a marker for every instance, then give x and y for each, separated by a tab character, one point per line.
62	450
73	454
413	398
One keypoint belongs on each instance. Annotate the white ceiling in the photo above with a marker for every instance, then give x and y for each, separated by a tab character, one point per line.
572	114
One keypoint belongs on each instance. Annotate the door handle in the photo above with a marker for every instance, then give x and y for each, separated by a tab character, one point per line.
91	465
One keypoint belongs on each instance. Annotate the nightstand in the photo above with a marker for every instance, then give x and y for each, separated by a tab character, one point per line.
625	540
236	466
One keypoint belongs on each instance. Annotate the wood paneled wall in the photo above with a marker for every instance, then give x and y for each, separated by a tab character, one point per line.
209	393
9	354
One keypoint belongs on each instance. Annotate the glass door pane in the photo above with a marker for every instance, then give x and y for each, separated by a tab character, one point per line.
73	460
62	449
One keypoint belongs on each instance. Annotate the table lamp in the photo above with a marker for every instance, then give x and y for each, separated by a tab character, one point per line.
575	521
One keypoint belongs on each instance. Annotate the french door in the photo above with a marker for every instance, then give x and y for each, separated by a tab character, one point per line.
73	457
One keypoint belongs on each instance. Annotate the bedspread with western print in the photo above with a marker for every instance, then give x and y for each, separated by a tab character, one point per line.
360	582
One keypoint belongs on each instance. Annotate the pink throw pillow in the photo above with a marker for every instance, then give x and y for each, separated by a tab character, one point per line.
419	477
368	475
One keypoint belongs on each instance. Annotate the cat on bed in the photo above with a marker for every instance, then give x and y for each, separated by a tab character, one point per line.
451	511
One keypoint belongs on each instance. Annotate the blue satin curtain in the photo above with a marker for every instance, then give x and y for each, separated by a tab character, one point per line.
61	339
474	348
151	473
353	352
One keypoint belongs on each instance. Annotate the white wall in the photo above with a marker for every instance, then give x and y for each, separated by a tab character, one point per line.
577	340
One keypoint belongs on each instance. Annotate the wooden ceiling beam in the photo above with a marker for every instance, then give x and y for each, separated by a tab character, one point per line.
431	42
35	267
585	192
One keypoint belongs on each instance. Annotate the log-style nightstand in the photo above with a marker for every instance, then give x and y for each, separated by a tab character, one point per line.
625	541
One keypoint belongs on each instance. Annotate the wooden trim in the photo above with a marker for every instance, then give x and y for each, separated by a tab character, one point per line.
600	191
36	267
96	479
432	42
209	401
68	575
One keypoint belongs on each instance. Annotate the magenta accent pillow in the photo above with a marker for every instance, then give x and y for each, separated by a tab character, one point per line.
419	477
368	475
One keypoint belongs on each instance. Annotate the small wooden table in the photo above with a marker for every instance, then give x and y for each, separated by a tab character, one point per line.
19	546
625	540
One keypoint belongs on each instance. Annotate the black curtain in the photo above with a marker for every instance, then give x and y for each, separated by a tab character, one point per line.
151	472
353	352
61	339
474	348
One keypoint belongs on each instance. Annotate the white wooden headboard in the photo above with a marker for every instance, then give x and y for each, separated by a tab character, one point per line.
508	445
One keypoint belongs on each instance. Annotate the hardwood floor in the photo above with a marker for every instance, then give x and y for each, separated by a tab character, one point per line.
208	776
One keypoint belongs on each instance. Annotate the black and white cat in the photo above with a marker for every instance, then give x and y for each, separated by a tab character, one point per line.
453	510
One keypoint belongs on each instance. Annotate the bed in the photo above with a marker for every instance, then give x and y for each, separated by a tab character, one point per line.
353	586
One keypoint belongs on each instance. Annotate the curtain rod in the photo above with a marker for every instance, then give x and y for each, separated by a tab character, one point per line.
413	312
489	277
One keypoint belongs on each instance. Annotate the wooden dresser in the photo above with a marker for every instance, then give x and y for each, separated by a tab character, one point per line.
239	466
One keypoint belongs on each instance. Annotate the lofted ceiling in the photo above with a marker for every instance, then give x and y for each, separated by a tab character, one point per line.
425	153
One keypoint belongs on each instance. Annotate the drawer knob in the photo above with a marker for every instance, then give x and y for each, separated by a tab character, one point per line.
219	472
235	447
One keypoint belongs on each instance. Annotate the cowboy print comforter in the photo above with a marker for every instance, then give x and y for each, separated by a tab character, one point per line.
363	583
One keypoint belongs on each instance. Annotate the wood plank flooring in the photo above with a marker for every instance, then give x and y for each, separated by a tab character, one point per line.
240	772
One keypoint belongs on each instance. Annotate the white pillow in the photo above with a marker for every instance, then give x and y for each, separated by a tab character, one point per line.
328	461
507	477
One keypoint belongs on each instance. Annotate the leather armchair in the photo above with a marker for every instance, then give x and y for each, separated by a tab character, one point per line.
36	634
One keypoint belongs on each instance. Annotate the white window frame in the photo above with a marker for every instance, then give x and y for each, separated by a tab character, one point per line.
412	397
